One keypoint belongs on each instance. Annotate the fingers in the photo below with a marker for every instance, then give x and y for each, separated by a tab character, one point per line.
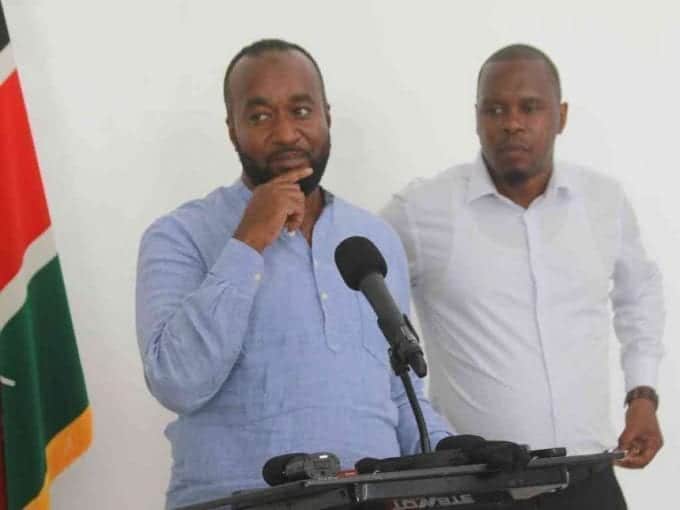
295	212
640	452
636	459
289	190
292	176
277	204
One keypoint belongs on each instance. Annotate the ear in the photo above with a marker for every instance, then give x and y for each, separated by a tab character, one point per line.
564	109
327	112
231	131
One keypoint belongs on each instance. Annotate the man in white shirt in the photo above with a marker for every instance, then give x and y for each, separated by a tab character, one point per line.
514	262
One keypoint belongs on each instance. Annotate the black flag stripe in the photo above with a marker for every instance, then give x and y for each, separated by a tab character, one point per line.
4	34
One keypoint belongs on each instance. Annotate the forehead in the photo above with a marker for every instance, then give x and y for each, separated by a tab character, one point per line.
516	78
274	76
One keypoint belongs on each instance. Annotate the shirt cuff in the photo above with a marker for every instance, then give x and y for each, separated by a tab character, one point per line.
643	372
238	266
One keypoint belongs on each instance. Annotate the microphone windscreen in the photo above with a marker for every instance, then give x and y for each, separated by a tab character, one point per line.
408	462
366	465
463	442
274	469
357	257
503	455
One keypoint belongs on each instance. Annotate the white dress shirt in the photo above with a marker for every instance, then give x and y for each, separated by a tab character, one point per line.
514	303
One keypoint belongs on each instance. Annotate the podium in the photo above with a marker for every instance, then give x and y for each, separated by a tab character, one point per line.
469	486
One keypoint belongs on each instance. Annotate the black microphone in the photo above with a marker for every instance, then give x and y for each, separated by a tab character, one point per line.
443	458
292	467
502	455
463	442
363	268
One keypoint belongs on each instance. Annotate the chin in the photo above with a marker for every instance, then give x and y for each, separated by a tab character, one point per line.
515	176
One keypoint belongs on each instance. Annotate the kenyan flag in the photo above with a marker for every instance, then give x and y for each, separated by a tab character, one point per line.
45	412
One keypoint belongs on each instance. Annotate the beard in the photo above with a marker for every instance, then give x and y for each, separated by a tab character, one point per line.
513	177
259	174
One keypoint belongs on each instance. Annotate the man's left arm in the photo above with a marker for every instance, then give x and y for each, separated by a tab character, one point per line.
637	300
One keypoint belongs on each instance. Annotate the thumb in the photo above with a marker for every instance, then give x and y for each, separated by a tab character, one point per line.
626	438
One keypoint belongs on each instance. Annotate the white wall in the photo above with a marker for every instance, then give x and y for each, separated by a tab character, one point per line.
125	102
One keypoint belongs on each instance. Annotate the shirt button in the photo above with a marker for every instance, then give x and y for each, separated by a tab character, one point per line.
258	277
324	296
316	263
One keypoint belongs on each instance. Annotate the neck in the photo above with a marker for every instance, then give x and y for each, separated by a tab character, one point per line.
525	192
314	203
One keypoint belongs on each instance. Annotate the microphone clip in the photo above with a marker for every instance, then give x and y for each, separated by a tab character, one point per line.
404	348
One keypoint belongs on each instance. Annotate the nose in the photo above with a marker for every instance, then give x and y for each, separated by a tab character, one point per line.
285	131
513	122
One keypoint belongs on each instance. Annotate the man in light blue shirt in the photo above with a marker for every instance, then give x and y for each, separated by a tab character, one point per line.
245	327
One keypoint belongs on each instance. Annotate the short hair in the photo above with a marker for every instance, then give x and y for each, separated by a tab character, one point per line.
526	52
264	46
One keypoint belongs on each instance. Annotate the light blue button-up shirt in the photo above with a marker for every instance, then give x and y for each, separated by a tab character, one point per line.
265	354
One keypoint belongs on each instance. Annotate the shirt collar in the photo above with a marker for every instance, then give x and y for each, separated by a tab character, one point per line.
242	190
480	183
561	180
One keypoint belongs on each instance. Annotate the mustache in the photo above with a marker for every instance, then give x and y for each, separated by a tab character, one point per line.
513	145
288	152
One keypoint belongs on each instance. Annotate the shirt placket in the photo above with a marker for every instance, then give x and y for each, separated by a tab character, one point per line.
321	266
531	220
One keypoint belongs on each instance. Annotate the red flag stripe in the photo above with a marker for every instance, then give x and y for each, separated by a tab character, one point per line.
23	209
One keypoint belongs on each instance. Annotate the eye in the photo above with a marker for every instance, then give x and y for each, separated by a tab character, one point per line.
302	111
531	107
494	110
258	117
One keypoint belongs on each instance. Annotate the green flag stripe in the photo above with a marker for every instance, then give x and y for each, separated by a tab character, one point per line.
13	295
38	352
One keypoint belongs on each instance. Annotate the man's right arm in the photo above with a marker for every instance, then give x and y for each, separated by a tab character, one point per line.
191	320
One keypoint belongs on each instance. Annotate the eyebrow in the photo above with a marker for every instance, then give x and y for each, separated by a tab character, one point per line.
256	101
495	100
302	98
261	101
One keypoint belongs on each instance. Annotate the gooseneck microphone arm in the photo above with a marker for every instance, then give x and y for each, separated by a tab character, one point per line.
404	348
363	268
415	405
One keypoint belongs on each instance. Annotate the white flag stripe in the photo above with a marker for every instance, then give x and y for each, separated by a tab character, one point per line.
6	63
13	296
7	382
